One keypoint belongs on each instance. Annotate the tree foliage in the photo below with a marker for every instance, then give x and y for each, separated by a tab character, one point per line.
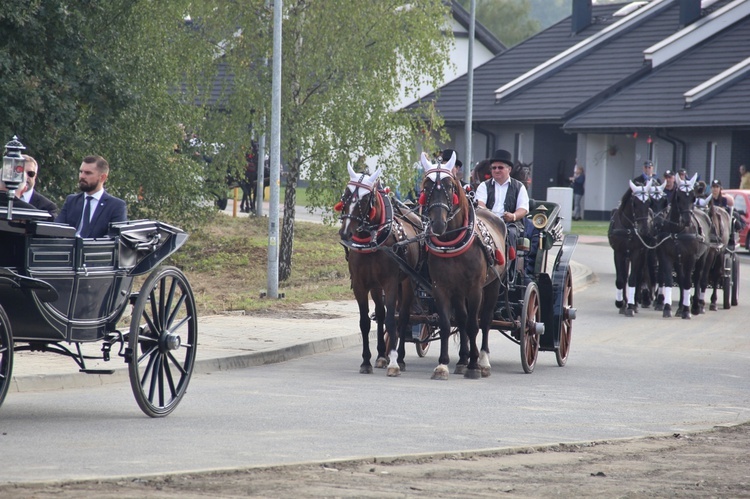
80	77
344	66
509	20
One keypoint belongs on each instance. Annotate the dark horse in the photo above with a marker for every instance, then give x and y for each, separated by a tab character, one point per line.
249	182
629	228
718	268
369	228
465	272
683	246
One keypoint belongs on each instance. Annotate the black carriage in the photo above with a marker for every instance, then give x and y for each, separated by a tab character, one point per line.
59	291
535	306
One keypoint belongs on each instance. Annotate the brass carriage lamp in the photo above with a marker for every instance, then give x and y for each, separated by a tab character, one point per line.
13	170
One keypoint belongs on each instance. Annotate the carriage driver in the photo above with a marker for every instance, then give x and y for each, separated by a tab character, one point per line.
505	196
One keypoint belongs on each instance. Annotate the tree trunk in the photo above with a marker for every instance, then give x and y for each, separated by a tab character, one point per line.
287	226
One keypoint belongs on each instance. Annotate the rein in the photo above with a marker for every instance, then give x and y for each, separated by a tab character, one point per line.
379	228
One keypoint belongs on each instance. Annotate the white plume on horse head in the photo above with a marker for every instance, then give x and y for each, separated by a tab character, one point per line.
687	184
374	177
641	191
352	174
432	170
658	190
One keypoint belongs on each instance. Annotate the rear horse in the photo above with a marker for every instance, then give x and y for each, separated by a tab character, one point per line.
466	260
370	227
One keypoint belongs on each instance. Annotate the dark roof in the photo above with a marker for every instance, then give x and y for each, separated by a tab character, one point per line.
481	33
658	99
451	100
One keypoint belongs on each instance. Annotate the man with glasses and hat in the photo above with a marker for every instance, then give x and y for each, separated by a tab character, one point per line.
505	196
648	174
669	185
29	194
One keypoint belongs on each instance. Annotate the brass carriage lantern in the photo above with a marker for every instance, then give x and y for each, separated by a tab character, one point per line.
13	170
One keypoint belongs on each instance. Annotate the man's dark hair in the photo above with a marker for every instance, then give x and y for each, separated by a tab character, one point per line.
101	163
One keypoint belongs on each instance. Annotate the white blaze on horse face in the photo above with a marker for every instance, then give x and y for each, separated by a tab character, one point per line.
358	191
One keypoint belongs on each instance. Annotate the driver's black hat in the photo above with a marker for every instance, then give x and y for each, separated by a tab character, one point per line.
716	181
502	156
668	173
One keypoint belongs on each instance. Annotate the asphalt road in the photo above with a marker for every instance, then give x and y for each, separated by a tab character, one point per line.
625	377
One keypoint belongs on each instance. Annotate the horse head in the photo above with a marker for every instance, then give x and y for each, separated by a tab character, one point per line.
442	196
359	206
684	199
640	203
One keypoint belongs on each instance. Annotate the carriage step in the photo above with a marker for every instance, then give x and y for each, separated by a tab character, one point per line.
97	371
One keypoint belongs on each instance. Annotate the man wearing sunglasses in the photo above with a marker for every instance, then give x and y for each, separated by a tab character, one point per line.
505	196
29	194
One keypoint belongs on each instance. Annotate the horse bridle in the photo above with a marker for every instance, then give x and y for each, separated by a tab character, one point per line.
450	193
349	196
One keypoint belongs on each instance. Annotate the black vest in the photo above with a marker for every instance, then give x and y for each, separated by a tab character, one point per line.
511	197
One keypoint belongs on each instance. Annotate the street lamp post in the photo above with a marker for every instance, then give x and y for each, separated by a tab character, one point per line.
13	170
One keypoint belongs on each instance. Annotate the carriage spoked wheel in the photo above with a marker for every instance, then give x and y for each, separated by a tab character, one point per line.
726	283
735	281
6	354
425	333
531	315
163	339
566	322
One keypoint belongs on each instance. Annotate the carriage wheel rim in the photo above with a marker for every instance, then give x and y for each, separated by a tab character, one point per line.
163	341
566	324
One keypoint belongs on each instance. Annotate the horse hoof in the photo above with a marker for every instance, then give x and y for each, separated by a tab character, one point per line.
686	314
486	373
440	373
381	363
365	369
658	306
460	369
622	310
393	372
713	307
473	374
667	311
629	312
402	366
618	303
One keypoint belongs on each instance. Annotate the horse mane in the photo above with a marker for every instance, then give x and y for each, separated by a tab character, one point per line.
626	197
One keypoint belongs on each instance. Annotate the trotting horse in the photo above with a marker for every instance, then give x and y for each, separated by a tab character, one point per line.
683	245
466	259
629	227
718	259
369	228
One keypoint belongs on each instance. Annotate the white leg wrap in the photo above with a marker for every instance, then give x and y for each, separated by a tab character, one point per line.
393	356
484	359
618	295
631	295
668	296
686	299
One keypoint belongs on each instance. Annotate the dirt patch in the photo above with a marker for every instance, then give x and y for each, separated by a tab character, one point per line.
708	464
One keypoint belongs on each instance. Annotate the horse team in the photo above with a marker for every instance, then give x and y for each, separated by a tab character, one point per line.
659	244
458	251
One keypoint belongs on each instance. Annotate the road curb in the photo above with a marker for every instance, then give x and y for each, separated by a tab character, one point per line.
68	381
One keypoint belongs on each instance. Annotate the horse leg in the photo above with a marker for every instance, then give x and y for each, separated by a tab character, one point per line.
380	310
364	328
464	349
441	371
405	301
686	284
621	277
391	296
665	265
489	300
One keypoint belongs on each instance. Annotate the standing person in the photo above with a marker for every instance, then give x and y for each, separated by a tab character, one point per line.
29	193
101	208
648	174
744	178
577	181
505	196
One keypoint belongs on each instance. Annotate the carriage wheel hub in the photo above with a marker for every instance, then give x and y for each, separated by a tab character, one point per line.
172	341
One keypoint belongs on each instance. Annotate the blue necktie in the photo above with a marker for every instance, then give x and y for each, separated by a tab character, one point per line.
86	216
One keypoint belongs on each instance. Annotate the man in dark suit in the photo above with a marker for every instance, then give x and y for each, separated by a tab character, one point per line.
29	194
17	202
92	210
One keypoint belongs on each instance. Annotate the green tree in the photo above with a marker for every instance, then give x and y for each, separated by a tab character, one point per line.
79	77
344	66
509	20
